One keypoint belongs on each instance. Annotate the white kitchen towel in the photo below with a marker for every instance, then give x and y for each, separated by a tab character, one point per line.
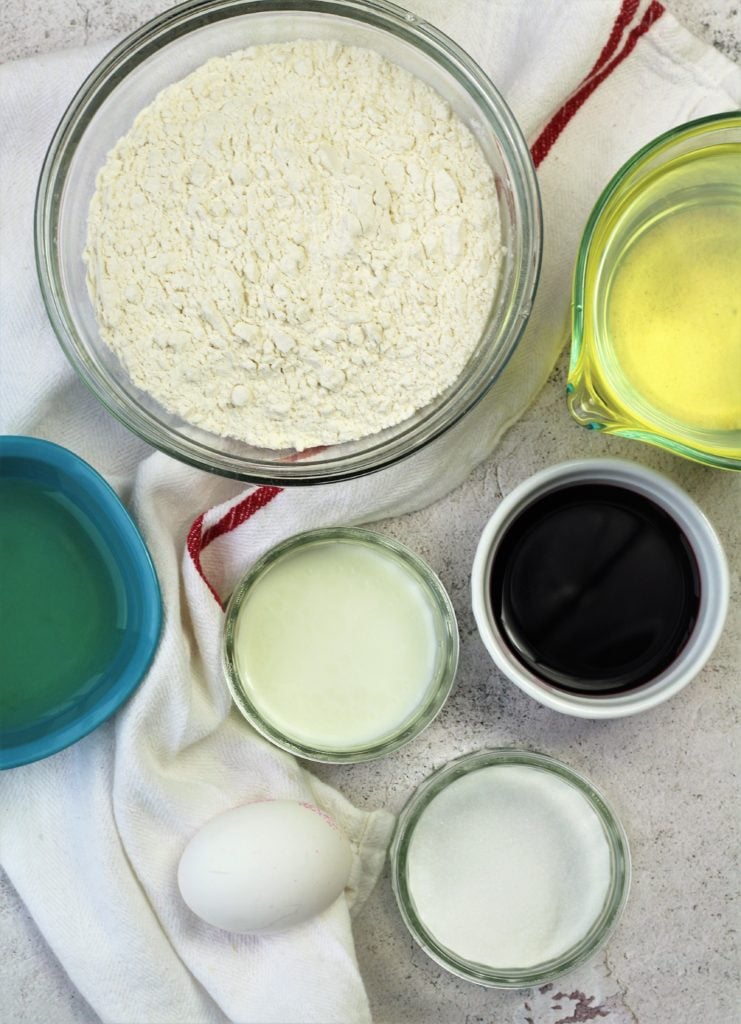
90	838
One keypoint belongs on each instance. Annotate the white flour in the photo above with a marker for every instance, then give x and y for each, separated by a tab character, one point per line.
296	245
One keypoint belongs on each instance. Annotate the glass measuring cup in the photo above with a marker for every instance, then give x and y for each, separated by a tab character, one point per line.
656	311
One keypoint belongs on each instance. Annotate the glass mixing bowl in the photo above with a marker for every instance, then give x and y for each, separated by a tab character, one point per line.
167	49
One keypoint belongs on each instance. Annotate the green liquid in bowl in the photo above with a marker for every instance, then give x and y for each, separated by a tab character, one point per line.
61	604
79	599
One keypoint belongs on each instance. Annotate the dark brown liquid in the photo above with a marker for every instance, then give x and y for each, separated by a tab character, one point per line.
595	588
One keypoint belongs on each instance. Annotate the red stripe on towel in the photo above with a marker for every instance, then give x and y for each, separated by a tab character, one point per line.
240	513
625	16
542	145
194	544
198	538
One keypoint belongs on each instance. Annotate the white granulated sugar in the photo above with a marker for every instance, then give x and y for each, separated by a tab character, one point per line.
509	866
296	245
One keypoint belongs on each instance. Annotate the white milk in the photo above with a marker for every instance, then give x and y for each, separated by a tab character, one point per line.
336	645
509	866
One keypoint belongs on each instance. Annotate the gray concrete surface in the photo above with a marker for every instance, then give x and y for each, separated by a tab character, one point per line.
670	773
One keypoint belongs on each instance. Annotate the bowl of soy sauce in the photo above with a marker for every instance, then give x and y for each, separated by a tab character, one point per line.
599	588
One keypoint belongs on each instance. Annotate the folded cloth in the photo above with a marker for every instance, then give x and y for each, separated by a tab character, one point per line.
90	838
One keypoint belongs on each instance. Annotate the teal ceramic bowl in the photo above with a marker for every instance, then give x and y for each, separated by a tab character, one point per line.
79	600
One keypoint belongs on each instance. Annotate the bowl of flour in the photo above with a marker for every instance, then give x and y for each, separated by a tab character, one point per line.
288	245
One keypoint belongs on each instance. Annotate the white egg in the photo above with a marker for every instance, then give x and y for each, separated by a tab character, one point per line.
264	866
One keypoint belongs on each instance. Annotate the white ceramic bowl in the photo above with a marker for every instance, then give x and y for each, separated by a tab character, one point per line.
711	563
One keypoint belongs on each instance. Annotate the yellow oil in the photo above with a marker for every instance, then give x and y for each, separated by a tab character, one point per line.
668	315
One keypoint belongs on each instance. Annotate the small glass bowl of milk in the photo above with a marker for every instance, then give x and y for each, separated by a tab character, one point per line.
340	645
509	868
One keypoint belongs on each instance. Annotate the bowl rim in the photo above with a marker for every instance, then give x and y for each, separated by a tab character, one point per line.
291	469
51	457
708	552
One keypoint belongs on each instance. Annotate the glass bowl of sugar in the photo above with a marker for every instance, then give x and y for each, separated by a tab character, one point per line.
509	868
340	645
288	242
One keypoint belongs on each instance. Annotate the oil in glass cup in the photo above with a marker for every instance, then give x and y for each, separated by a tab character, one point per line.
656	343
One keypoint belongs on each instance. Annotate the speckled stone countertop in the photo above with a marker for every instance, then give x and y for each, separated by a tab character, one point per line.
669	773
